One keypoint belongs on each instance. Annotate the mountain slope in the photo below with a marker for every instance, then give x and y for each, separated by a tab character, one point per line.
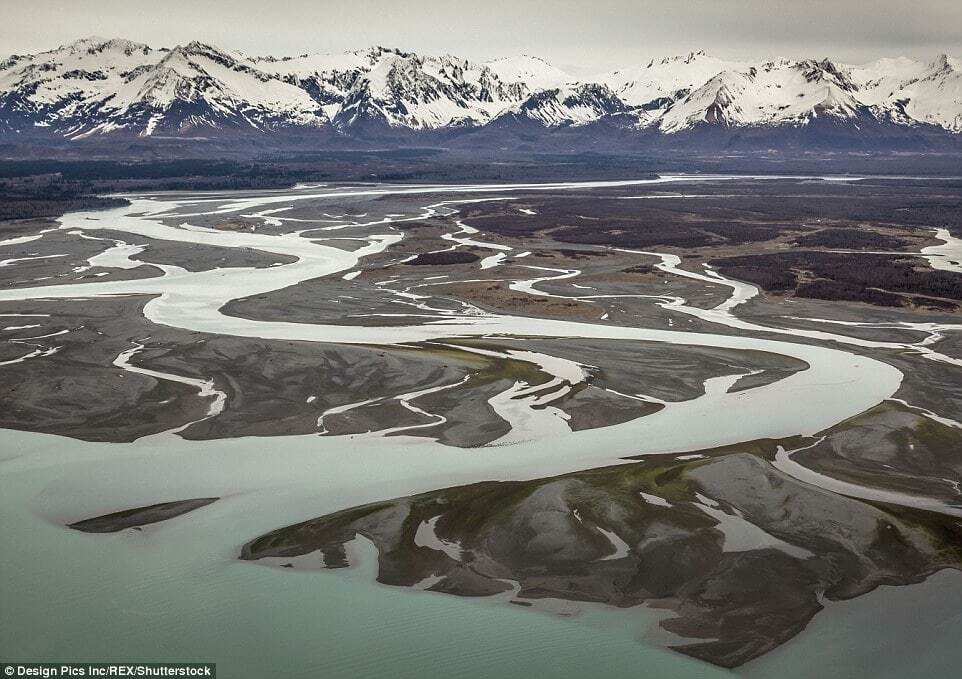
96	88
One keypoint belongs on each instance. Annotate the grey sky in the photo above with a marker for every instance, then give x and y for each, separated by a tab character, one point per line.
585	34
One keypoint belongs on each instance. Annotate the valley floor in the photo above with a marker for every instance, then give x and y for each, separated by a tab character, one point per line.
352	428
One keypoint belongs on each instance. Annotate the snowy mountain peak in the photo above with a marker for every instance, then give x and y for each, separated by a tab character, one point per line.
575	104
941	63
534	72
679	58
97	45
99	86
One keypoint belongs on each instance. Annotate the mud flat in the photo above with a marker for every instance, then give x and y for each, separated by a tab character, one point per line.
139	516
690	454
743	555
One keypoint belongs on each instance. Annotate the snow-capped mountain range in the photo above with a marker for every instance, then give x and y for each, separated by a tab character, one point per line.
95	87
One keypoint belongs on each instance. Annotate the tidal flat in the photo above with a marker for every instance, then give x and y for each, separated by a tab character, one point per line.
485	412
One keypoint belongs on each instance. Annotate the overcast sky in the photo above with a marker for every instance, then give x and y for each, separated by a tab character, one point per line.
585	34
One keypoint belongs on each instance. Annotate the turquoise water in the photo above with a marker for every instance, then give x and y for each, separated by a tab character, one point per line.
174	592
889	633
157	595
